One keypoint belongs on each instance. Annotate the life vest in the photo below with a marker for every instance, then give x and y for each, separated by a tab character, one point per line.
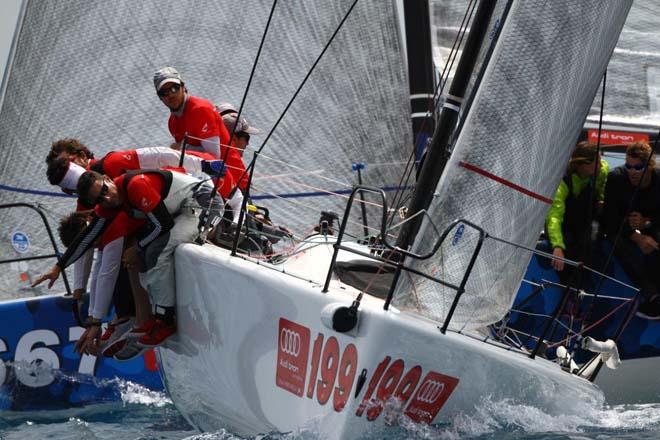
576	225
177	188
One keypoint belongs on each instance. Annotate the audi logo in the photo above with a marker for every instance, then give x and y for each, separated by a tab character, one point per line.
430	391
290	342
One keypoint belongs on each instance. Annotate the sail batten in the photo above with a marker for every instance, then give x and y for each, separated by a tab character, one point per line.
511	152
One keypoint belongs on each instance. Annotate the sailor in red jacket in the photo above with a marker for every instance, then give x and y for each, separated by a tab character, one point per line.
198	119
170	202
118	162
69	158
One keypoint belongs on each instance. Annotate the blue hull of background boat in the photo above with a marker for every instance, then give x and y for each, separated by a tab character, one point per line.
640	338
41	331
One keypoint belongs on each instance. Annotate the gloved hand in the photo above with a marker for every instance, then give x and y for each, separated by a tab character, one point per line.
215	168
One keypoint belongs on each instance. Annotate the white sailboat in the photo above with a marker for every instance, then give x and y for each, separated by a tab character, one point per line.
261	347
257	350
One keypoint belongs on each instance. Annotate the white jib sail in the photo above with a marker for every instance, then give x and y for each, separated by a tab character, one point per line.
511	152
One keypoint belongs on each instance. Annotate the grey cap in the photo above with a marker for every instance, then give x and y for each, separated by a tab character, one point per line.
242	127
225	108
166	75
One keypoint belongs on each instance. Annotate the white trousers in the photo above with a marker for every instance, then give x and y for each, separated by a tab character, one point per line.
159	278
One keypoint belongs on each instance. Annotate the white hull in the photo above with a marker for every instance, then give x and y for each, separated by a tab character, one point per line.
232	366
634	381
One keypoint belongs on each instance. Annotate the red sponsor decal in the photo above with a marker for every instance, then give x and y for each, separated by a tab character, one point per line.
292	353
616	137
430	397
333	370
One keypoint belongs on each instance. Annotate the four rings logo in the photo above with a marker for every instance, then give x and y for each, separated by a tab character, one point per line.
290	342
430	391
431	396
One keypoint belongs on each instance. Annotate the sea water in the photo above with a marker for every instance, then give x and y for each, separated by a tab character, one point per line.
145	415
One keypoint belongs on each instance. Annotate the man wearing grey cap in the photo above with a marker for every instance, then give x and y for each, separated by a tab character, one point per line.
241	133
190	115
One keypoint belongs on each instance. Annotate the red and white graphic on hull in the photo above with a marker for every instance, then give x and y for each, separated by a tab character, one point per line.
333	373
430	396
292	352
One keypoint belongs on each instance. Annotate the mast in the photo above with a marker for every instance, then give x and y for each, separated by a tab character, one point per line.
438	152
420	71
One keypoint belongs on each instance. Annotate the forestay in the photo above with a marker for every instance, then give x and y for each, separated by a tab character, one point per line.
511	152
83	68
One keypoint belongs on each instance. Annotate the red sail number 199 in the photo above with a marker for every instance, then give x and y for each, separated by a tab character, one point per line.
330	369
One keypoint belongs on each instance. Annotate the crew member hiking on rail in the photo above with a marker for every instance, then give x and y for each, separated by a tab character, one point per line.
171	202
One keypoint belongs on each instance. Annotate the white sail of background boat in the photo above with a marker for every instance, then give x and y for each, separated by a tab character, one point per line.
256	349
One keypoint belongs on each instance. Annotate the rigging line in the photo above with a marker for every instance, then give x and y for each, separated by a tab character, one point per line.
330	193
202	234
305	206
433	104
488	288
585	251
270	195
278	176
600	321
380	164
254	67
580	293
35	192
296	167
543	315
295	94
453	55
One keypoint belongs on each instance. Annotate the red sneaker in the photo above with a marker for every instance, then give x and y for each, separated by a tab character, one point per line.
114	348
142	330
157	335
116	328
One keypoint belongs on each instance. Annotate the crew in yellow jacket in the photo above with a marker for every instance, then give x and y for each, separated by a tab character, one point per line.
568	223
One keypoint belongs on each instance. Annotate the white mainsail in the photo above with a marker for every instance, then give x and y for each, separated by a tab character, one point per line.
511	152
83	68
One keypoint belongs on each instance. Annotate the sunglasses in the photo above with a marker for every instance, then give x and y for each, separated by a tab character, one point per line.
99	199
164	92
244	136
638	167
